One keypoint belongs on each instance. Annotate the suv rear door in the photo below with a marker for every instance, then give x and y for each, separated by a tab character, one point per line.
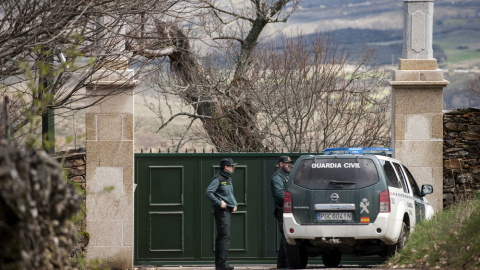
336	189
408	192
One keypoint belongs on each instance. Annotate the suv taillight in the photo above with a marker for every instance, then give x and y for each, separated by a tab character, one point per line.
385	202
287	202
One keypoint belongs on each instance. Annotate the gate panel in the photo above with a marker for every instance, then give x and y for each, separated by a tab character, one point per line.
166	185
171	224
166	222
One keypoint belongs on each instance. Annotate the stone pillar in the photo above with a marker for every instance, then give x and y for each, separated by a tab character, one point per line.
110	162
417	92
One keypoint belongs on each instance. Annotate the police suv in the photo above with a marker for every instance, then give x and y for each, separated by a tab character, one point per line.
350	200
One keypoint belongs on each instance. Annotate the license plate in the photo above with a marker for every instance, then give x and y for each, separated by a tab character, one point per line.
334	216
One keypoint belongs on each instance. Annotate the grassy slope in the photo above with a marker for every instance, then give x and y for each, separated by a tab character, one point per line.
451	240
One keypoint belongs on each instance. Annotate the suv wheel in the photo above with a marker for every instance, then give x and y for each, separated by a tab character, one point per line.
402	240
296	256
332	259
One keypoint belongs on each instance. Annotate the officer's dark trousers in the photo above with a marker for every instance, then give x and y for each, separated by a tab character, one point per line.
222	242
281	259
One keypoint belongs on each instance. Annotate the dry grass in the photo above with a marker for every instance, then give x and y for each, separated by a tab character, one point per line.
451	240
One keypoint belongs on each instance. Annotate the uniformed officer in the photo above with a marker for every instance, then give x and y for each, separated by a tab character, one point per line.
220	192
279	179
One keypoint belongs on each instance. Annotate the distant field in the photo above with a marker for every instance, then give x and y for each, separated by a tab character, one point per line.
462	47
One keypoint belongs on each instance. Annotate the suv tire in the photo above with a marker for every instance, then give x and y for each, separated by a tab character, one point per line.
296	256
402	240
332	259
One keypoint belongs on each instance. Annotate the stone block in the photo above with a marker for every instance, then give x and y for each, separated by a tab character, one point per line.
70	163
470	135
437	126
417	75
406	75
417	64
452	164
105	206
128	127
106	179
418	127
416	101
400	120
105	233
120	101
109	154
457	154
91	126
451	126
431	75
109	127
419	153
78	179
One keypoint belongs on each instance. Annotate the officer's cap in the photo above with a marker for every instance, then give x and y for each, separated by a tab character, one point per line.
285	159
227	162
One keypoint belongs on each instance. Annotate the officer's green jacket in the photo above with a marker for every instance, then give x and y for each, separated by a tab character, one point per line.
221	188
279	180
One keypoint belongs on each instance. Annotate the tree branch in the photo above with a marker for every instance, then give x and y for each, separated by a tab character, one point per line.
189	115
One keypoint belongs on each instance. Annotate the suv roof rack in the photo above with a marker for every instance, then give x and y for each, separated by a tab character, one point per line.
384	151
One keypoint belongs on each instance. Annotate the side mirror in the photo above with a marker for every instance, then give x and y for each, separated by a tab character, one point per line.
426	189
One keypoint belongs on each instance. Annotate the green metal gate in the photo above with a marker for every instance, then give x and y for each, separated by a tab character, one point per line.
174	222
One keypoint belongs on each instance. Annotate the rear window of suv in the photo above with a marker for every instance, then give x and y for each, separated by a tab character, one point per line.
335	173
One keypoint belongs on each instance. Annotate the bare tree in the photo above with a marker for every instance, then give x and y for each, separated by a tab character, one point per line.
311	94
49	50
232	31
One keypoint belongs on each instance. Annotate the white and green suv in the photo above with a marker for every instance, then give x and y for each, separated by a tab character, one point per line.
350	200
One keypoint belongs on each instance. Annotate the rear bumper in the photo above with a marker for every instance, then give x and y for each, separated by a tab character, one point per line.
379	230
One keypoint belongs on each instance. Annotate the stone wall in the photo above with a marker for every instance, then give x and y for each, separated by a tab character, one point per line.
461	155
74	165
